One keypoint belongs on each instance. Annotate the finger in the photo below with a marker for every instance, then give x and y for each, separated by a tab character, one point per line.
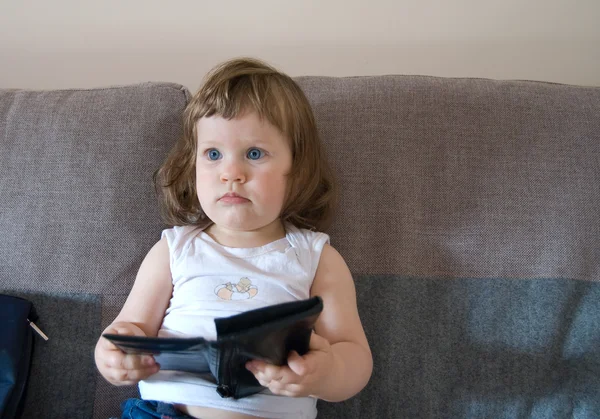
123	330
297	364
115	329
137	362
285	376
107	344
125	376
269	372
118	360
256	365
274	385
318	343
290	390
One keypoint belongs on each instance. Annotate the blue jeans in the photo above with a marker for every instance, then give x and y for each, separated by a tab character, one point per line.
149	409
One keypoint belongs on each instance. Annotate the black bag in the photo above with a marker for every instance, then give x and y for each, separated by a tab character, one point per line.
16	346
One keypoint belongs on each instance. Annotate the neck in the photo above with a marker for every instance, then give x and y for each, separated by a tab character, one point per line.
246	238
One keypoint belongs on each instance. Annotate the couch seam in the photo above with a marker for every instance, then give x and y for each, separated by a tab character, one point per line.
152	84
425	76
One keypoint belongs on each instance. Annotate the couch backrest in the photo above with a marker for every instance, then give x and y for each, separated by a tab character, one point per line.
455	177
468	217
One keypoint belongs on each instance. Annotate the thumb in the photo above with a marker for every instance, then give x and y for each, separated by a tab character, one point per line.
125	328
119	328
318	343
122	330
296	363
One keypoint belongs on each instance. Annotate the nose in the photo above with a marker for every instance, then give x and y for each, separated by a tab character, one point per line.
233	172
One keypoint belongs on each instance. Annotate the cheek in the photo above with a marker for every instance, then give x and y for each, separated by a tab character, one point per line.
274	186
205	174
203	184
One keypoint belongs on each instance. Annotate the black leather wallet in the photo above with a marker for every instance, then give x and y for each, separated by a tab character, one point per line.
267	333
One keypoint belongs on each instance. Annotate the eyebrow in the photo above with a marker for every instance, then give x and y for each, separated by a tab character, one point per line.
217	143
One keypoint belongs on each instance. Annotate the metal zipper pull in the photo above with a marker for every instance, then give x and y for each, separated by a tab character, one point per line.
37	329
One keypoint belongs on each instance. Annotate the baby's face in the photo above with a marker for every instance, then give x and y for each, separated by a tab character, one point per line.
241	171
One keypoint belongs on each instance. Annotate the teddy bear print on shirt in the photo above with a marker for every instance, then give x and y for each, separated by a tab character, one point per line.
243	290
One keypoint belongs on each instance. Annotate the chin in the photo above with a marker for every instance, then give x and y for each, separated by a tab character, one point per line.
245	225
238	225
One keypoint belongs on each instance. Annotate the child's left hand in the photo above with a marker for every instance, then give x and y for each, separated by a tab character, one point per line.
303	376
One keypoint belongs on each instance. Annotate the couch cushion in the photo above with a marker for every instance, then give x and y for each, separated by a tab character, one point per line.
463	177
62	381
478	348
78	214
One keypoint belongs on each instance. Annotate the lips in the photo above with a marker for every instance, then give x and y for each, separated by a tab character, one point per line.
233	198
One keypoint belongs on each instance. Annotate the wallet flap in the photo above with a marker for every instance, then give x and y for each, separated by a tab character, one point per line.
271	317
278	330
155	345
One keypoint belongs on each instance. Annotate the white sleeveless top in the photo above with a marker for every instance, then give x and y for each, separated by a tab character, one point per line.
211	280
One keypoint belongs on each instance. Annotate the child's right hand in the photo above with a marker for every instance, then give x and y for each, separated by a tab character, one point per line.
117	367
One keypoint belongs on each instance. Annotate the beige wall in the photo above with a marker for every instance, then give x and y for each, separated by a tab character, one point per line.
80	43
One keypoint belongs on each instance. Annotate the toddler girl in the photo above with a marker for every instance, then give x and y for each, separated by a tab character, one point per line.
248	190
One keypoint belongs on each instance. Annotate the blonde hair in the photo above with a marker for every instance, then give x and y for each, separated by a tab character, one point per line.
228	90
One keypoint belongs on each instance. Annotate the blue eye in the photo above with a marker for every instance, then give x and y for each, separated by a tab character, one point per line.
255	153
213	154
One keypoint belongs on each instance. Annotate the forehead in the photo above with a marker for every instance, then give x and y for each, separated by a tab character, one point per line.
246	127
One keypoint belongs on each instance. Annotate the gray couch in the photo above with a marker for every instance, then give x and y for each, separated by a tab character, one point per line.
469	217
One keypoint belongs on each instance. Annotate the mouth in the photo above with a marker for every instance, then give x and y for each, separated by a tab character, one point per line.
233	198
